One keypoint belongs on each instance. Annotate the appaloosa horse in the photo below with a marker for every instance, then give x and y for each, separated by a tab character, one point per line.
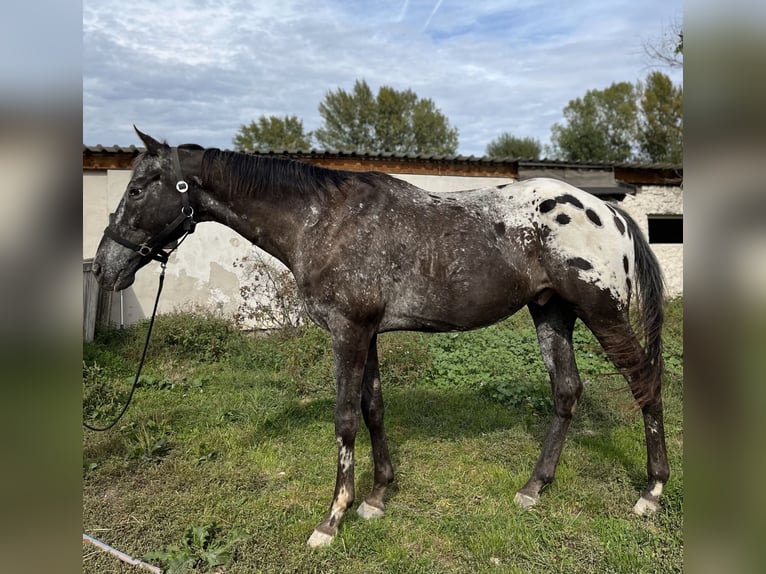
371	253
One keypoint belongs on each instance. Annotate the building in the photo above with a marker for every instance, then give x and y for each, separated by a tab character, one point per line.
204	272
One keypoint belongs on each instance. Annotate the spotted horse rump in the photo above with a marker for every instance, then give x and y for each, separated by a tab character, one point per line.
371	253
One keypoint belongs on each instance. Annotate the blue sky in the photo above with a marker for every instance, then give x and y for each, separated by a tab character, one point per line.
195	71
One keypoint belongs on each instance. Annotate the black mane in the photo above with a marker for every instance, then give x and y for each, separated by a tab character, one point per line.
248	175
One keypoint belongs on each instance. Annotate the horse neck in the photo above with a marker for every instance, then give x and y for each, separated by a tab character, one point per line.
266	214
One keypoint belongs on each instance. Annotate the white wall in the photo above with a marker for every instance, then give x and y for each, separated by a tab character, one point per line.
203	272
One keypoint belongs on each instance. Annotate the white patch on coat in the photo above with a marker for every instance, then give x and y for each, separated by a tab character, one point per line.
602	246
517	206
346	458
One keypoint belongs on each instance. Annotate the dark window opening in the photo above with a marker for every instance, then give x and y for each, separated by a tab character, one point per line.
666	229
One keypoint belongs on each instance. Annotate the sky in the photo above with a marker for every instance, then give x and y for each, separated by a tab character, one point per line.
195	71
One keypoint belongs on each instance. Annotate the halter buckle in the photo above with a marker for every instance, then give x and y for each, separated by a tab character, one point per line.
182	186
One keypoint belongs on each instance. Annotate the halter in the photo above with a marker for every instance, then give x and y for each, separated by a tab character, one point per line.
152	248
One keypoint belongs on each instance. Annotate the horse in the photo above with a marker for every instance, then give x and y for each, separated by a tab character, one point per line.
371	253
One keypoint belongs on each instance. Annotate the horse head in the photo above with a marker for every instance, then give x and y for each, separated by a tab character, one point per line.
154	211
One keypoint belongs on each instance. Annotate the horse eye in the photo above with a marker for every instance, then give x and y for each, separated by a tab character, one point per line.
135	192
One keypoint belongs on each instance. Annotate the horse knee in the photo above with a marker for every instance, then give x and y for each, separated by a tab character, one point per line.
347	423
565	397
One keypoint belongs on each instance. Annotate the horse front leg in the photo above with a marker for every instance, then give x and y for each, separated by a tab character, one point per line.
350	349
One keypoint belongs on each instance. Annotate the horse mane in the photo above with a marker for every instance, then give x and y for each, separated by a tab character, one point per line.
249	175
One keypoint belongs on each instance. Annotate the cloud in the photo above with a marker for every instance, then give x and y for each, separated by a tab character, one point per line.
196	71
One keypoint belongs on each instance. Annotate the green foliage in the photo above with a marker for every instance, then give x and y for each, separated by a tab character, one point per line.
273	134
101	399
660	137
249	443
524	395
601	126
507	145
198	336
148	441
201	548
490	356
393	121
623	122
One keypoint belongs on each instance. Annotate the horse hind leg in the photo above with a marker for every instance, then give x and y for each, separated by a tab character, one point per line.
622	346
555	323
373	505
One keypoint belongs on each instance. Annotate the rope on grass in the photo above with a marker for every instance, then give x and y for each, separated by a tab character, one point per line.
121	555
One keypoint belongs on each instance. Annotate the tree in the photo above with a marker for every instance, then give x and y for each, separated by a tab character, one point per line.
601	126
506	145
668	48
273	134
393	121
660	134
623	122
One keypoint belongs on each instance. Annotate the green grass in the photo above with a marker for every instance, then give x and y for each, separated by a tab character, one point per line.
237	430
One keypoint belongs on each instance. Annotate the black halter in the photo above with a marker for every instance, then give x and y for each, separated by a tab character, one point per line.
152	248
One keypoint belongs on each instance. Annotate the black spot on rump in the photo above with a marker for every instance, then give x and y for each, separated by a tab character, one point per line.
620	225
547	205
593	217
500	229
580	263
567	198
625	263
563	218
629	285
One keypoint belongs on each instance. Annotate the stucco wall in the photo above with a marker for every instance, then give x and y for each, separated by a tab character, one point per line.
660	200
203	271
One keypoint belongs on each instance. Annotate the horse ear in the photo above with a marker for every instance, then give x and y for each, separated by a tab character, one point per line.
152	145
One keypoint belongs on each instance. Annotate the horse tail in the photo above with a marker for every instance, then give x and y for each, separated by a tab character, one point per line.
649	316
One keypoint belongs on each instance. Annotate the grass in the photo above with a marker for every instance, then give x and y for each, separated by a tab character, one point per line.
237	430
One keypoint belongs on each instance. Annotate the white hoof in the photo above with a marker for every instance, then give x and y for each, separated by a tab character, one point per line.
368	511
646	507
318	539
524	500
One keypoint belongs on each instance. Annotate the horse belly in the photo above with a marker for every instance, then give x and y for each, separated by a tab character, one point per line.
466	296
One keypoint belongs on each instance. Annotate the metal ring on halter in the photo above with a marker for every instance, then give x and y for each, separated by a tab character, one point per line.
182	187
144	250
188	208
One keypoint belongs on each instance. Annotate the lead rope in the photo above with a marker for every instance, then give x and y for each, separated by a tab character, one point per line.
140	364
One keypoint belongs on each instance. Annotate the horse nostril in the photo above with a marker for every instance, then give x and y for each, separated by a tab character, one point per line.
96	268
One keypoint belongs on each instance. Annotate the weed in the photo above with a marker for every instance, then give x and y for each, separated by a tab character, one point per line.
199	337
269	295
201	548
147	441
527	396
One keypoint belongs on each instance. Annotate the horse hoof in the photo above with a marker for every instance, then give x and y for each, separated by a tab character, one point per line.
524	501
646	507
368	511
318	539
